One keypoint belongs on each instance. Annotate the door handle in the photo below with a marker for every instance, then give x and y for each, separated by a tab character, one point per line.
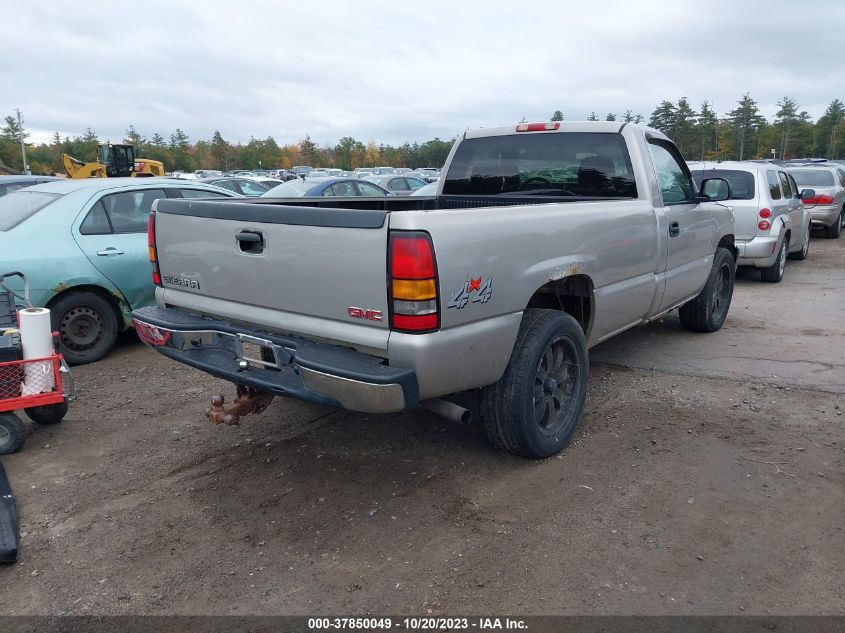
674	229
251	242
111	250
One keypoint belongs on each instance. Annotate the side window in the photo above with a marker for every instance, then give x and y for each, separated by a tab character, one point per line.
251	188
672	174
96	222
796	192
129	211
398	184
227	184
784	183
343	189
368	190
198	193
415	184
774	184
841	175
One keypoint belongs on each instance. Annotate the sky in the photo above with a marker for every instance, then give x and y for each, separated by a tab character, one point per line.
402	70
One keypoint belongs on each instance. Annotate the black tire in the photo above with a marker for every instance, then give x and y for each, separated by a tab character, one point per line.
48	413
774	273
805	249
12	434
87	326
708	311
834	229
535	407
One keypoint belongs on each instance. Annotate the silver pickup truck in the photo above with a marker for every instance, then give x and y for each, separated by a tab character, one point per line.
543	240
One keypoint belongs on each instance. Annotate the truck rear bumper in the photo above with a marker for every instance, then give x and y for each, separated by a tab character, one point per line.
282	364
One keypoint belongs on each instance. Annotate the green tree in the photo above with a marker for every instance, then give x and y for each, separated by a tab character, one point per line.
10	148
181	151
745	120
610	117
220	151
136	139
349	152
310	153
557	116
663	117
707	122
683	131
829	133
593	117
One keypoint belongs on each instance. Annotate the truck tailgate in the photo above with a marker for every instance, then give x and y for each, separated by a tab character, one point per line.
312	271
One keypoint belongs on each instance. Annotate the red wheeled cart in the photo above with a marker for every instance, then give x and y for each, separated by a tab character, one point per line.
42	387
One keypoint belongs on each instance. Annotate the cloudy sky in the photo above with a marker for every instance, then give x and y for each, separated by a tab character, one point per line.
402	70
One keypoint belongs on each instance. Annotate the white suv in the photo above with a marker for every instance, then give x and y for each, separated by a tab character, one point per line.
771	223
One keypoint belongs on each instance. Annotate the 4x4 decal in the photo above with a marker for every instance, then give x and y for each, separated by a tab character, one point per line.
483	289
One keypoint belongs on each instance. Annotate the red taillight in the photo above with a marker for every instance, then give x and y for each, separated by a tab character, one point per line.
150	334
412	258
538	127
151	243
764	225
413	283
822	199
415	322
765	213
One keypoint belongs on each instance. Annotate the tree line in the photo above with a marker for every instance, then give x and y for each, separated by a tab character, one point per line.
744	133
178	153
740	134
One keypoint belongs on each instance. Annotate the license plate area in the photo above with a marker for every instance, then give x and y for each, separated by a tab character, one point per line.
251	348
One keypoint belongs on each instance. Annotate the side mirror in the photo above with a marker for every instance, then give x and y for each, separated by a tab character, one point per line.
714	190
808	194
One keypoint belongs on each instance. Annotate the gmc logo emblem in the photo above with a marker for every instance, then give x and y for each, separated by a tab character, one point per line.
361	313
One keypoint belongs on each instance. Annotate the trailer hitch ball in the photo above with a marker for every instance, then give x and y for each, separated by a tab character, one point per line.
248	401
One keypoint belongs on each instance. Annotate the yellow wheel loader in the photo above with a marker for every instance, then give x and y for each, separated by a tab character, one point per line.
115	160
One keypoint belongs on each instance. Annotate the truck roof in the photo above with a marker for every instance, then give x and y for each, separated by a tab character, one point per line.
606	127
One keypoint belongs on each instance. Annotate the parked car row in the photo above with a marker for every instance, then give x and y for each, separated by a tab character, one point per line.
775	204
426	174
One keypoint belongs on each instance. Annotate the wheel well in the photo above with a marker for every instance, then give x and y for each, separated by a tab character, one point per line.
573	295
113	301
788	235
727	242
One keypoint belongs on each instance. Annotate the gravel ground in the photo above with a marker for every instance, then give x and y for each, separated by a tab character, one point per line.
686	491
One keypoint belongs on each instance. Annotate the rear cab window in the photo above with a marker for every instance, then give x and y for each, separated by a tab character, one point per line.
22	205
741	182
568	165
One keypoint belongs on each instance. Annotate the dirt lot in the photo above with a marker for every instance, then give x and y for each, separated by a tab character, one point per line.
707	477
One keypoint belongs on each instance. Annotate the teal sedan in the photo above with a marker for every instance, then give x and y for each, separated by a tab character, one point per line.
83	246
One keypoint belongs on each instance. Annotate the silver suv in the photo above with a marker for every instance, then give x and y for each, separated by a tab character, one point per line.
826	196
770	221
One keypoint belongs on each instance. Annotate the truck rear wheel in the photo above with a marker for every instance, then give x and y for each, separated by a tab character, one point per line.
708	311
535	407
